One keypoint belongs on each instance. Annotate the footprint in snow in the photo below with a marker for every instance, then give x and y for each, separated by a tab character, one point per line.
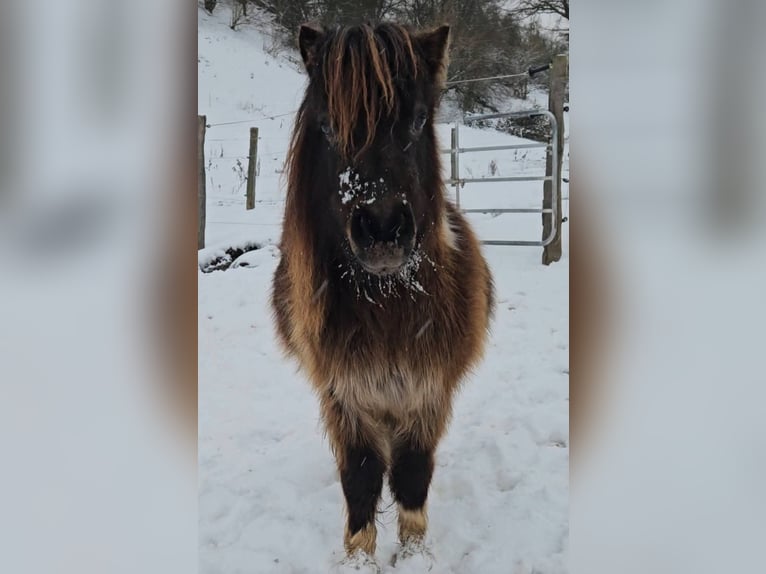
358	563
412	557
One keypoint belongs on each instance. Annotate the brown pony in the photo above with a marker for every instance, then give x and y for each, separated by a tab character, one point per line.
382	293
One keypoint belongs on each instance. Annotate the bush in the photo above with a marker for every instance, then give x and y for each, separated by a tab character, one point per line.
487	39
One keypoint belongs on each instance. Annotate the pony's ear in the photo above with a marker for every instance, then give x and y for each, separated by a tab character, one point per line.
309	38
434	45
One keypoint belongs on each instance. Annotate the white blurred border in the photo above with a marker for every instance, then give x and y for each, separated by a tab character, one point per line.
667	133
99	474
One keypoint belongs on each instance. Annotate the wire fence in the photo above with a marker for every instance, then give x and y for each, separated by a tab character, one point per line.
530	72
276	155
263	117
270	154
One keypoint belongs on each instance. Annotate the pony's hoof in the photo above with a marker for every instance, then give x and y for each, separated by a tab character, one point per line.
358	563
413	556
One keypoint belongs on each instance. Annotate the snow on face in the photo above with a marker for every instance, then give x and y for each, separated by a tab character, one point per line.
351	186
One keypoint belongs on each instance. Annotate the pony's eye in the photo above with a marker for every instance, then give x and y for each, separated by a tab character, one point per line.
420	121
326	128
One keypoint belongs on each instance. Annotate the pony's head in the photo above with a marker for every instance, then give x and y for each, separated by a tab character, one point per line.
364	151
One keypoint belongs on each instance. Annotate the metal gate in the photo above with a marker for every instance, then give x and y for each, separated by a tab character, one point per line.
457	182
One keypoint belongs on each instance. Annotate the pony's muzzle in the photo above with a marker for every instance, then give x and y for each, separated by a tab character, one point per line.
382	236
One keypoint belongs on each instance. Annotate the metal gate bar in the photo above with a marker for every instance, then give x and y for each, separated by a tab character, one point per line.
457	182
513	210
515	178
498	147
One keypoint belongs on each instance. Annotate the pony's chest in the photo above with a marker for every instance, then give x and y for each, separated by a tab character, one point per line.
399	324
386	359
383	388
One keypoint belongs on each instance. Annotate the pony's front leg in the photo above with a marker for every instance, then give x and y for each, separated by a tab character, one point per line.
412	466
361	475
361	463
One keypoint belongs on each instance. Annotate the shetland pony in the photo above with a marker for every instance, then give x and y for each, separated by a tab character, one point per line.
382	293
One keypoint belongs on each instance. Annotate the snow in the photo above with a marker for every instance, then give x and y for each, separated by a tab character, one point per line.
269	496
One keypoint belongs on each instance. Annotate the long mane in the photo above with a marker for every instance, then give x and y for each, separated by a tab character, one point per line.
360	66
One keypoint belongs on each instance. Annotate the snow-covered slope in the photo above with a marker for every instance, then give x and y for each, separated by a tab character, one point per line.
270	498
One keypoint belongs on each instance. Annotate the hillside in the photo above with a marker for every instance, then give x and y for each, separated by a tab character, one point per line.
270	498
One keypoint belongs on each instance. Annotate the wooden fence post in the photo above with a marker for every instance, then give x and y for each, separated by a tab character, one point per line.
558	83
201	192
251	165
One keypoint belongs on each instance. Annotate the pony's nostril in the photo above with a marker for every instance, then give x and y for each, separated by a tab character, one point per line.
401	223
362	228
405	232
393	226
365	225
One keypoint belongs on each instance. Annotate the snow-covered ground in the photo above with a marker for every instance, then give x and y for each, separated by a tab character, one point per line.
270	498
